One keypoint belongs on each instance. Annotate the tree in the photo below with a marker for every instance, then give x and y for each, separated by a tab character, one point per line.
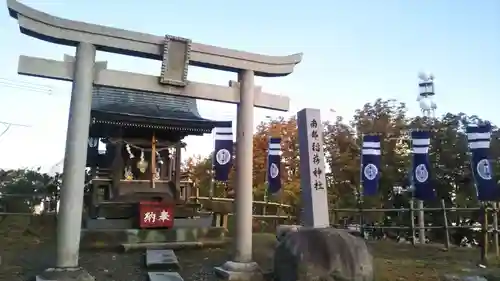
342	157
21	190
449	158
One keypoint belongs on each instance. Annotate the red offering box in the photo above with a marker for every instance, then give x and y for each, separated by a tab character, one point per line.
155	215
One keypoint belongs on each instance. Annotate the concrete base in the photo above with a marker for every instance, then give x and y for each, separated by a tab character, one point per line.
65	274
238	271
115	238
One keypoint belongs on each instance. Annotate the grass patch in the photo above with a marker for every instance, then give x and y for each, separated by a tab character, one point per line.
25	255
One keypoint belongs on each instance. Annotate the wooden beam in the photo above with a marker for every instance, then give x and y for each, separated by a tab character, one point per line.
153	160
63	70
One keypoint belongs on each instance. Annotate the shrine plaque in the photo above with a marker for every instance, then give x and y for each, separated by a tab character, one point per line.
155	215
174	68
312	169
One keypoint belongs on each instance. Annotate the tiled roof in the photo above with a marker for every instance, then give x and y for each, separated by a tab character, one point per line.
150	106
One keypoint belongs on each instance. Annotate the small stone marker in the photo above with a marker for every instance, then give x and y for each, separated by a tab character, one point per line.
161	259
312	169
164	276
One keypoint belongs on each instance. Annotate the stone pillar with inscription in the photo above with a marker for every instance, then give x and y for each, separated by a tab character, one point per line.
312	169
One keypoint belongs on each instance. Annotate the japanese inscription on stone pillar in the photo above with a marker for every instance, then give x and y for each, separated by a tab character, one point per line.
174	68
312	169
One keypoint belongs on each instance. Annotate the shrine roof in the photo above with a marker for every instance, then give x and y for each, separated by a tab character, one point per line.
129	107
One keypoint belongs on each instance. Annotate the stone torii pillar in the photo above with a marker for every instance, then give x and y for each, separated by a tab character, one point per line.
176	53
70	212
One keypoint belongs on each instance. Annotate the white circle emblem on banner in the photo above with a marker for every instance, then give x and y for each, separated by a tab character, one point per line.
273	170
484	169
421	173
370	171
93	142
223	156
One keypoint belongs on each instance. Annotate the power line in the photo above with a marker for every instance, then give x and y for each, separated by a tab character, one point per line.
14	124
5	131
9	125
23	85
6	80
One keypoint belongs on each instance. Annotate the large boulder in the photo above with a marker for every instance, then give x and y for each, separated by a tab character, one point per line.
284	229
325	254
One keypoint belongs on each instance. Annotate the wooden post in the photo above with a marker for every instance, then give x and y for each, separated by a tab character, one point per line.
224	221
265	200
170	165
177	178
361	221
484	244
117	169
164	165
495	229
153	160
412	223
196	194
446	231
94	199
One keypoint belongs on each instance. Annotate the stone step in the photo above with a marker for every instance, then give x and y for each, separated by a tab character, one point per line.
161	260
115	238
204	243
164	276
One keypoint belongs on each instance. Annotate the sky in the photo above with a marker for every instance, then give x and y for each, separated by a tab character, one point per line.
354	52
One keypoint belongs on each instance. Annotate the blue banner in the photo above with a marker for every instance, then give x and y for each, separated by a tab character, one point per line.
479	138
223	152
273	165
421	175
370	165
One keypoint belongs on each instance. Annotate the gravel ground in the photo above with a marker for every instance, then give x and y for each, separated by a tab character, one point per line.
24	255
196	265
25	263
26	252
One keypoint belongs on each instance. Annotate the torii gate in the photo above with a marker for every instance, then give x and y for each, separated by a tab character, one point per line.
176	54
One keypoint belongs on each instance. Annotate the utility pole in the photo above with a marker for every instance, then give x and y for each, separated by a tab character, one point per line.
428	108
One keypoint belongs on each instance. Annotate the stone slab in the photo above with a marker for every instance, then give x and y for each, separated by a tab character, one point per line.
161	259
164	276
